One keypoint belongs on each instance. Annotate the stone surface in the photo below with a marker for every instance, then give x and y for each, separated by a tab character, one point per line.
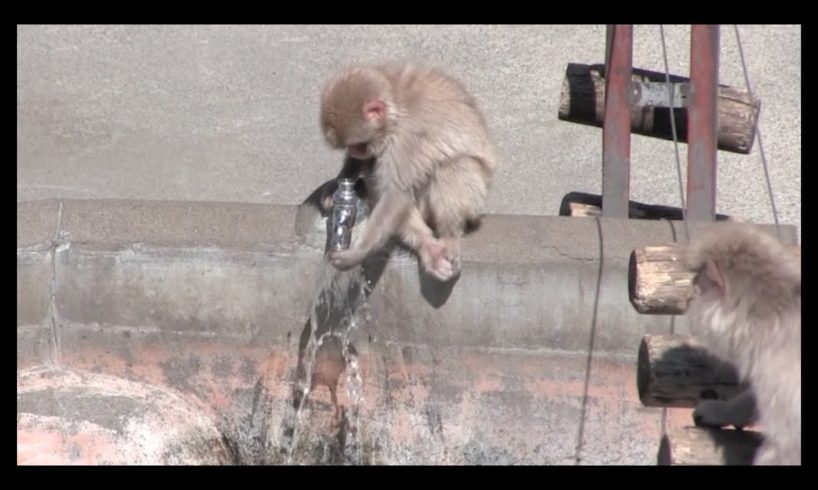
75	417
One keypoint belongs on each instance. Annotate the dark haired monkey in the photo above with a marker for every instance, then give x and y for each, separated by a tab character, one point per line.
748	311
422	145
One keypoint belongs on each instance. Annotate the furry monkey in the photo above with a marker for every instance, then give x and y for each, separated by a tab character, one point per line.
748	310
421	143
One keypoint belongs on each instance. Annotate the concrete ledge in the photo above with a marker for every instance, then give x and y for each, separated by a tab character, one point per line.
212	301
250	295
32	345
34	282
34	275
37	222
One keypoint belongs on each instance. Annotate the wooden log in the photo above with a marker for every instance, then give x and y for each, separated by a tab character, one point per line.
703	446
659	281
583	95
678	371
578	209
584	204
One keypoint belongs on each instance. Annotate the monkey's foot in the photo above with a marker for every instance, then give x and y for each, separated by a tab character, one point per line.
452	246
435	260
346	259
327	195
721	413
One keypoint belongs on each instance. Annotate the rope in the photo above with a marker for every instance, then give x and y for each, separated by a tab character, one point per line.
758	134
675	137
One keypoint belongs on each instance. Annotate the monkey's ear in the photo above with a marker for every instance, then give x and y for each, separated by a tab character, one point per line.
374	110
710	278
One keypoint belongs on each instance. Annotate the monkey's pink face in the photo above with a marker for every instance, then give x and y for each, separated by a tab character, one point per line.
355	142
358	129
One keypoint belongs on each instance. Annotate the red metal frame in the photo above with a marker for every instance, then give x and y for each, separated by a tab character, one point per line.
616	131
702	122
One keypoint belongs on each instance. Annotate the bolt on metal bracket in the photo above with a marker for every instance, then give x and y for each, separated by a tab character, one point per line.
655	94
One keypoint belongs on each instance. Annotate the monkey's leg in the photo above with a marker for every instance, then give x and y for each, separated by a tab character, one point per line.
387	217
739	411
456	196
432	253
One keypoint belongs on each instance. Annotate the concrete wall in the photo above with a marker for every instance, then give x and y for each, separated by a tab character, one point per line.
528	358
229	113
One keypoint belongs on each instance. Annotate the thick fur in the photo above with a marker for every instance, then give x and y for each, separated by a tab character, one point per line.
748	310
434	161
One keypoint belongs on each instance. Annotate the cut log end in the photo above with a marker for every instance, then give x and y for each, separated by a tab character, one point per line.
659	281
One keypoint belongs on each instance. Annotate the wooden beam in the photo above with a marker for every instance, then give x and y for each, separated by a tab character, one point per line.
678	371
702	446
659	281
583	95
585	204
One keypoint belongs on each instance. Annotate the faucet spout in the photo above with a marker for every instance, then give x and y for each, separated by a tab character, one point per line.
344	209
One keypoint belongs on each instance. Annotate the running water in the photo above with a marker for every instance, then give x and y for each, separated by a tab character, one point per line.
337	311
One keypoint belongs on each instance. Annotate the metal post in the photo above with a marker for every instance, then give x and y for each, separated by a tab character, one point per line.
616	132
702	123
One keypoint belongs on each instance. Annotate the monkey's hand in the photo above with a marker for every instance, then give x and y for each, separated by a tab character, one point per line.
347	259
721	413
327	196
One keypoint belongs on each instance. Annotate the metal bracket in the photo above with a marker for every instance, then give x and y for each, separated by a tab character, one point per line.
655	94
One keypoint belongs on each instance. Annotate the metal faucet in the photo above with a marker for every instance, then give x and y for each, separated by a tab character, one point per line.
344	207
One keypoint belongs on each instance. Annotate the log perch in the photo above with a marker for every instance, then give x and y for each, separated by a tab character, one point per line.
577	204
582	100
678	371
659	281
701	446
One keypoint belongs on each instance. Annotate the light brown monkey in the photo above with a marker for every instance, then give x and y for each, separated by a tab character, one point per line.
428	158
748	310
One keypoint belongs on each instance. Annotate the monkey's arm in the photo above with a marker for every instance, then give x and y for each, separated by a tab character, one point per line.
388	215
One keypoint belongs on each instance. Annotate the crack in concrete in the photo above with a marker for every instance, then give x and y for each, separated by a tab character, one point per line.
54	347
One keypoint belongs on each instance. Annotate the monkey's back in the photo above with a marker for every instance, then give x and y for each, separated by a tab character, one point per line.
439	107
756	324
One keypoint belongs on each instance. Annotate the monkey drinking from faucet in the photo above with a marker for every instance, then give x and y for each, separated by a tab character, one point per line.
421	144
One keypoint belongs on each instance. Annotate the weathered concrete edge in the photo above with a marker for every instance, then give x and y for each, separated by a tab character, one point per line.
269	227
509	260
38	225
35	271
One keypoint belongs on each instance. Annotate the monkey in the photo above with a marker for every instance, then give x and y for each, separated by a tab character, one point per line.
422	146
747	309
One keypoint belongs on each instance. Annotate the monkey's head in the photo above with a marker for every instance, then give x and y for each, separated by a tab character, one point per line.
357	111
741	271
